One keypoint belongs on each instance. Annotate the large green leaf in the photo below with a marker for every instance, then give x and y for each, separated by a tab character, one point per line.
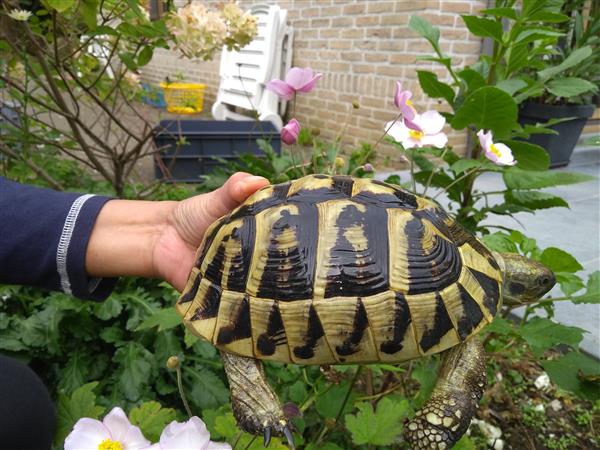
534	34
380	427
487	108
592	293
529	156
473	79
509	13
572	372
484	27
135	365
579	55
164	319
542	334
516	178
151	418
559	261
433	87
89	12
82	403
76	372
207	389
534	199
570	87
511	85
422	27
329	403
60	5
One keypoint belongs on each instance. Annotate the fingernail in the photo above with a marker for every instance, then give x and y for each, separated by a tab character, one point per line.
254	178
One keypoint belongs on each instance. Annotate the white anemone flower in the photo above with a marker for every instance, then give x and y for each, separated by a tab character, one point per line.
22	15
497	153
428	134
190	435
115	432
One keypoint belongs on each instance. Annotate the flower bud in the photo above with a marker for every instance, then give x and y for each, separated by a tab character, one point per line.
368	167
172	362
340	162
290	132
355	104
315	131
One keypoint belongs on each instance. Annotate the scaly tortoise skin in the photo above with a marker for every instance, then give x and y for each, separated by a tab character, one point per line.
332	269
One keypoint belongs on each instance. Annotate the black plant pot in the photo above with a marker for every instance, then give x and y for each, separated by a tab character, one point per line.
559	146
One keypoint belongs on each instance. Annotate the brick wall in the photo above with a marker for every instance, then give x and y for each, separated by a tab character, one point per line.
362	48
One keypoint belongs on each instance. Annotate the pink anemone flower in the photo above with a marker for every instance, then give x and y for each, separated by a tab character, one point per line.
497	153
429	132
296	80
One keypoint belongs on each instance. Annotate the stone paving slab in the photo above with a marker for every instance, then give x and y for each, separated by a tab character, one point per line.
575	230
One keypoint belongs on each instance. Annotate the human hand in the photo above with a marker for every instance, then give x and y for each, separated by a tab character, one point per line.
175	249
160	239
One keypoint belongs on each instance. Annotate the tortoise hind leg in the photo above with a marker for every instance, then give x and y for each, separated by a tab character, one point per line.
255	404
445	417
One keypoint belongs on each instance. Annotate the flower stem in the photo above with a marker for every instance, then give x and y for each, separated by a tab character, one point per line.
468	173
384	134
433	172
182	393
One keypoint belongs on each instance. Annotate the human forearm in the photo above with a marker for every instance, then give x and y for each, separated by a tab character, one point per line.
124	237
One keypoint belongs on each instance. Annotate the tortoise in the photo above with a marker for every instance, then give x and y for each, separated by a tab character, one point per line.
333	270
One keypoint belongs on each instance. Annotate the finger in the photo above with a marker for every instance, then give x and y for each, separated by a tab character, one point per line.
238	188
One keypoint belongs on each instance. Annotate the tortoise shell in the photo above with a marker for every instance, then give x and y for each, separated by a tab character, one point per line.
333	269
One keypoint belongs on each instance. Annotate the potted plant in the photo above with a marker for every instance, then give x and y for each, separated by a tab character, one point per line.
562	78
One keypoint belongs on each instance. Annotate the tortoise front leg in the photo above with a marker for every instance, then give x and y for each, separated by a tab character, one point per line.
255	404
445	417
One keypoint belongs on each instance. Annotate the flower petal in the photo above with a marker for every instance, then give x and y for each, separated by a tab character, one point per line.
190	435
298	77
506	157
218	446
431	122
122	430
87	434
436	140
398	131
311	84
281	88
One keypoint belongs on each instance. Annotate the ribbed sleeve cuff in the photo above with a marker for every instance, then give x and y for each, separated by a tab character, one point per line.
72	248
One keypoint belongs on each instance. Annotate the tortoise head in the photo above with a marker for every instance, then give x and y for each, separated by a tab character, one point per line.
525	280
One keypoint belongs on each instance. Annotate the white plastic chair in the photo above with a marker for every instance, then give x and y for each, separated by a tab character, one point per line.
244	74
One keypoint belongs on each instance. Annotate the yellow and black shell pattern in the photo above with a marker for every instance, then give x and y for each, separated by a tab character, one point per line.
334	269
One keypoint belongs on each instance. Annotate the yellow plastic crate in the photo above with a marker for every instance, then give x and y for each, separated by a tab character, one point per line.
184	98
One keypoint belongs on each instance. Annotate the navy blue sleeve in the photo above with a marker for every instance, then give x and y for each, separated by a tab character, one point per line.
43	239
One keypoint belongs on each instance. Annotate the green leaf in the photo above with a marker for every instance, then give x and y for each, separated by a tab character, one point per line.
516	178
534	199
164	319
592	293
465	164
151	417
329	403
569	282
145	56
511	85
425	372
422	27
465	443
529	156
109	308
128	60
542	334
518	57
500	242
89	12
576	57
509	13
548	17
60	5
82	403
380	427
208	390
558	260
484	27
433	87
487	108
76	372
473	79
570	87
567	373
135	368
535	34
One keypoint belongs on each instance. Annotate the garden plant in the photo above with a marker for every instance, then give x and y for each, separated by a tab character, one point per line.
130	361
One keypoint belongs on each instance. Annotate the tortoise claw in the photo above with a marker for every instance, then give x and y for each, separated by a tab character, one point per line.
267	436
290	438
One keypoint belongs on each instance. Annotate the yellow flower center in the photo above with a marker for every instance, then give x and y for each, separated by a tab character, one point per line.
495	150
107	444
416	134
409	103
